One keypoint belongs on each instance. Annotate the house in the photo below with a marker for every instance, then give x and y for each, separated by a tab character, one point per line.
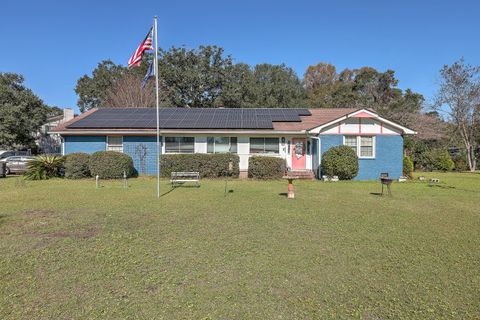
48	142
300	136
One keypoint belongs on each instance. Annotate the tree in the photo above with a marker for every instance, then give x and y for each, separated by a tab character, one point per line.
277	86
127	92
21	112
459	96
239	89
92	91
194	78
361	88
321	81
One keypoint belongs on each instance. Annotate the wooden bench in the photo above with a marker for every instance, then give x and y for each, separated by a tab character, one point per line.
178	178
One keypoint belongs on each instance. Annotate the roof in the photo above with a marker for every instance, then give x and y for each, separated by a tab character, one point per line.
181	118
277	119
317	118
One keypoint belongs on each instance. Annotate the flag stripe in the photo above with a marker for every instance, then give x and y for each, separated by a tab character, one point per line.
146	45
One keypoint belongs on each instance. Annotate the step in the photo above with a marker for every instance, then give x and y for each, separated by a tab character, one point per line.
302	174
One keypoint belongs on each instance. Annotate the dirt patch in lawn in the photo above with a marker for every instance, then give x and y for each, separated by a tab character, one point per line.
39	213
89	232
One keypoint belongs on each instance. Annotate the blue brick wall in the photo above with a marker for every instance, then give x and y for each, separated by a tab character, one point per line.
143	151
388	156
87	144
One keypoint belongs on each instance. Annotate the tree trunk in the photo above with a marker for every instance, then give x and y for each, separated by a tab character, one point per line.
472	161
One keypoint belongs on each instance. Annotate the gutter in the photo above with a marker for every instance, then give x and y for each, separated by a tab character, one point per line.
153	132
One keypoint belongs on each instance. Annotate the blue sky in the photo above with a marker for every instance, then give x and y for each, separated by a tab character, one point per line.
53	43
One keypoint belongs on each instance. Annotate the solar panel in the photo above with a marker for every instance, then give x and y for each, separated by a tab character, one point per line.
200	118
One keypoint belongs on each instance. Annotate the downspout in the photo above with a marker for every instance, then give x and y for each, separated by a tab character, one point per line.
316	170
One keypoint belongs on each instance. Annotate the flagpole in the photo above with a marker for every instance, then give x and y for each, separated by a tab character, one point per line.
156	93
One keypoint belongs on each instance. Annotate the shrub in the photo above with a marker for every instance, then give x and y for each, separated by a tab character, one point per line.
44	167
340	161
441	160
208	165
460	162
407	167
266	167
111	165
77	166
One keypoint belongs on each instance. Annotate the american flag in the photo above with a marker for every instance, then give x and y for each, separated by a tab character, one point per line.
146	45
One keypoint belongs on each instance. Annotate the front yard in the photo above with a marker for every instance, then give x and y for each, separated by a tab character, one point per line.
68	250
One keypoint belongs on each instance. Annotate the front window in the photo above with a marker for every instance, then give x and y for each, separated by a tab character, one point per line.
264	145
222	145
179	144
115	143
364	146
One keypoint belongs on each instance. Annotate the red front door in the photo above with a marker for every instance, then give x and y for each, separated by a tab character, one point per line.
299	160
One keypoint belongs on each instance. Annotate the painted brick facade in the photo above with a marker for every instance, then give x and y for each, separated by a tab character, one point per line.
143	151
388	156
86	144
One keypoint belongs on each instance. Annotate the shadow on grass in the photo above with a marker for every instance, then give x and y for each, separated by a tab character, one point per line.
442	186
179	186
3	218
283	194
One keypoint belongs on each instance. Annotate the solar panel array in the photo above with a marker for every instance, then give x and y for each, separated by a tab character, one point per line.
181	118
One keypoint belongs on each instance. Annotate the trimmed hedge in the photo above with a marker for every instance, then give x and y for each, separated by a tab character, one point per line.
111	165
266	167
340	161
208	165
77	166
407	167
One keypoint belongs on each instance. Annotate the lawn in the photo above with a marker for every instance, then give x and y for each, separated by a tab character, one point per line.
339	250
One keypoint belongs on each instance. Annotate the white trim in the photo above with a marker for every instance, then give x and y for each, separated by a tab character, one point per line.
405	130
358	147
179	132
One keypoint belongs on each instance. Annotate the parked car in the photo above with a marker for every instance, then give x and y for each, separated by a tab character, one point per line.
16	164
8	153
3	169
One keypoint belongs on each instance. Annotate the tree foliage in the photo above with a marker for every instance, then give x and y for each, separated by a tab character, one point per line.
192	78
361	88
459	92
21	112
92	91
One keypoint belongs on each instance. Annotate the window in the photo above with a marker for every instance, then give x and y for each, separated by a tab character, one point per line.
115	143
222	145
179	144
364	146
351	141
264	145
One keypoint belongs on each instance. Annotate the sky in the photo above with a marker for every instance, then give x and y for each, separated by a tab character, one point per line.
53	43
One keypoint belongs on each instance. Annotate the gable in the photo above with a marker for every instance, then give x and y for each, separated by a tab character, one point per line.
361	122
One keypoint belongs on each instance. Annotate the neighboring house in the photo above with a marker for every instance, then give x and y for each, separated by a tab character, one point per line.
48	142
300	136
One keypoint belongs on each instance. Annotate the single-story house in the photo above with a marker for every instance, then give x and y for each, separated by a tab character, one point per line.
300	136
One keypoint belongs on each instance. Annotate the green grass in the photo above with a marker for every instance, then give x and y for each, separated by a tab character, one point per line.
68	250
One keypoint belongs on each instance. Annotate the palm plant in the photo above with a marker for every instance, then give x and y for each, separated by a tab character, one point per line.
44	167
